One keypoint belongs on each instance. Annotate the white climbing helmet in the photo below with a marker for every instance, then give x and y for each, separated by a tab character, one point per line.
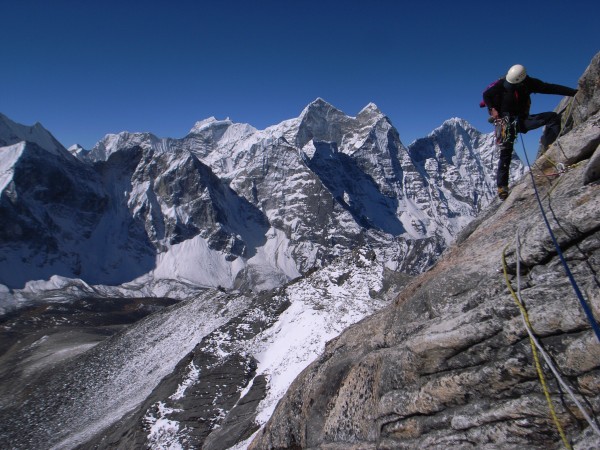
516	74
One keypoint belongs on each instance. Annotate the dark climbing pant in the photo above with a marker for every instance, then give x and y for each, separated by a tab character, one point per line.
552	122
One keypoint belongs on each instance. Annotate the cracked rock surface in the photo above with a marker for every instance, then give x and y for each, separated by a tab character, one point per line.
449	364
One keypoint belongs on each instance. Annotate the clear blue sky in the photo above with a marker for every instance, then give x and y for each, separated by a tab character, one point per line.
85	69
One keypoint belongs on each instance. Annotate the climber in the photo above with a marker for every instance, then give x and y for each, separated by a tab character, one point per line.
508	104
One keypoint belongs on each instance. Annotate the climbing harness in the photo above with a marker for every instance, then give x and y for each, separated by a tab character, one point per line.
586	308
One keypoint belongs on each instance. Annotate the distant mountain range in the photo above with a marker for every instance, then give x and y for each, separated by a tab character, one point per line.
232	206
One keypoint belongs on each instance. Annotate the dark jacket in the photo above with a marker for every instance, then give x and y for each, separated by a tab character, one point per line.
514	100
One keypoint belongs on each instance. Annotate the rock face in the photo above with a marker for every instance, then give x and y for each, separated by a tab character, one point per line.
70	400
449	364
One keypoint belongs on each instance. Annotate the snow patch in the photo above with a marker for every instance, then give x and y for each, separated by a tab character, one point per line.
163	433
322	306
8	157
190	379
195	262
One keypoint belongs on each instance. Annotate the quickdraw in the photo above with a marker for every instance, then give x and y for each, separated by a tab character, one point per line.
559	168
505	130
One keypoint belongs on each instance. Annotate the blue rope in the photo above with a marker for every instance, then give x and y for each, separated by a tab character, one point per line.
584	304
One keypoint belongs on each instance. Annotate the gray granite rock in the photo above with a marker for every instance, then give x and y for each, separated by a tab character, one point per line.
592	169
449	364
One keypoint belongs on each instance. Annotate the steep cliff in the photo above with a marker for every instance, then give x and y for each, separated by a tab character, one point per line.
449	364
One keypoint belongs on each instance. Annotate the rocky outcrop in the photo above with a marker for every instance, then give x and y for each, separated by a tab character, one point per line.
449	364
580	124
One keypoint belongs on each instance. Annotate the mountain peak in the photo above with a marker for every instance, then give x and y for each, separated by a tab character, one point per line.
452	125
326	110
319	102
208	123
12	132
78	151
370	109
112	143
370	113
320	120
318	106
457	122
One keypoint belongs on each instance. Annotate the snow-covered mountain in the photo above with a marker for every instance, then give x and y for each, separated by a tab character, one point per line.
275	240
13	133
78	151
236	207
58	218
